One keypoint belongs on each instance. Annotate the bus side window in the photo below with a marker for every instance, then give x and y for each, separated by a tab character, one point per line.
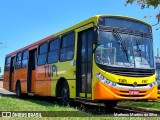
24	58
42	53
67	47
7	63
53	54
18	60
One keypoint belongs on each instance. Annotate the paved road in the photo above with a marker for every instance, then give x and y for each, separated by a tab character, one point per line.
1	84
3	91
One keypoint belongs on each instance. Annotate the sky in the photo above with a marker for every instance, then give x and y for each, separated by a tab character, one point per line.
23	22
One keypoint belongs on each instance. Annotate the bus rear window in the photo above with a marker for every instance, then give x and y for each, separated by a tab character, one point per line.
124	23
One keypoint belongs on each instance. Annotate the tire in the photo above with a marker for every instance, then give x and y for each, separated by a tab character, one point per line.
65	95
110	104
18	90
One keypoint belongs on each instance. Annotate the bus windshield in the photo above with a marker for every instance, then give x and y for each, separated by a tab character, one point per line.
124	50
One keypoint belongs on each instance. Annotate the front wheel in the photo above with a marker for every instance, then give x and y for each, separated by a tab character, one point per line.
65	94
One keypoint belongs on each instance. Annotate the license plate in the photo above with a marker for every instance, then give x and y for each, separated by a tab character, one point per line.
133	92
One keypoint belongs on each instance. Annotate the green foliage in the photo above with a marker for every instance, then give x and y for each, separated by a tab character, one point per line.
147	4
144	104
11	103
0	69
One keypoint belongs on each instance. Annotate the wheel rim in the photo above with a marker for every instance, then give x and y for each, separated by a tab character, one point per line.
65	95
18	91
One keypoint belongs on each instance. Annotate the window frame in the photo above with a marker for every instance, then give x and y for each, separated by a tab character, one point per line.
17	68
24	58
59	39
42	53
61	48
8	65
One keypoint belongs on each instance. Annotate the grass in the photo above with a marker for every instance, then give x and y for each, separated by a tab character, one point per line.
11	103
145	104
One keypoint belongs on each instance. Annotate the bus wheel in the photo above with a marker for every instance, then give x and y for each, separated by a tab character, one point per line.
65	94
18	90
110	104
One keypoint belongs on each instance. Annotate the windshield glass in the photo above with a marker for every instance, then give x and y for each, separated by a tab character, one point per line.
124	50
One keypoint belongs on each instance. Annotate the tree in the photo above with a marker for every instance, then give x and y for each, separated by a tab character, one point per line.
146	4
0	70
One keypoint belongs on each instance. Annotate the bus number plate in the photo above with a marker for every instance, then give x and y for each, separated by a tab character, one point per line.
133	92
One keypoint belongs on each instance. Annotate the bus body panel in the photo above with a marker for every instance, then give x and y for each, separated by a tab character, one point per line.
105	92
6	80
43	81
21	75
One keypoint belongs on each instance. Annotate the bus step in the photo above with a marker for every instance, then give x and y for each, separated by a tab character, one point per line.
31	94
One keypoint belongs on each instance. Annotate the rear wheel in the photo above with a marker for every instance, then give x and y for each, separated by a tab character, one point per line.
65	94
18	90
110	104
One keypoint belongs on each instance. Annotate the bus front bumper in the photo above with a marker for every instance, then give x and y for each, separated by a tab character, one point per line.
105	92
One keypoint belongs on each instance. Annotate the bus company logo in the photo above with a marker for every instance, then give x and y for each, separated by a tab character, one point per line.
6	114
135	84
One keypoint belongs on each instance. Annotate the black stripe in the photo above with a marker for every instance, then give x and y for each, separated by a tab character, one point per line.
53	79
131	72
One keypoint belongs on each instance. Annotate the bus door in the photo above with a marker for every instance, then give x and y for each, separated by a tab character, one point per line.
11	74
32	71
84	64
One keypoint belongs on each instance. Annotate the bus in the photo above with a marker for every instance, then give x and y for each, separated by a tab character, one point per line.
104	59
157	60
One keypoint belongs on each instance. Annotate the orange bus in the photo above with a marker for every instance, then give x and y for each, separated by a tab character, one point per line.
105	59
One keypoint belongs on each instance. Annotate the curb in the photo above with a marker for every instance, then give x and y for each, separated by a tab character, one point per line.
139	109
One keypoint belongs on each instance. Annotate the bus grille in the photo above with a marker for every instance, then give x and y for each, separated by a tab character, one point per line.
132	95
131	85
132	73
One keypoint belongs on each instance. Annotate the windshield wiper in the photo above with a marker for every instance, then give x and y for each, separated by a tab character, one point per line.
138	49
121	42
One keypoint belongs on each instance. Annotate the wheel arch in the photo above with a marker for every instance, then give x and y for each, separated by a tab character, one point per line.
59	86
17	82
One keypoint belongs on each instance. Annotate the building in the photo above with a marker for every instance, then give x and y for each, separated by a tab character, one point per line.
1	77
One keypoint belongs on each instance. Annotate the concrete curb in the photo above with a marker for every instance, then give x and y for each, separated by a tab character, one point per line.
150	110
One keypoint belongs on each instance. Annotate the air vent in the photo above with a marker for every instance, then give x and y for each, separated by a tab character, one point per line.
132	73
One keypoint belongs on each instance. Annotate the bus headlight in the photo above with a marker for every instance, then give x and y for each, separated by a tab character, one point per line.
153	83
105	80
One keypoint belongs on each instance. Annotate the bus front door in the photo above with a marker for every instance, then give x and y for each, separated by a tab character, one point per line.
84	64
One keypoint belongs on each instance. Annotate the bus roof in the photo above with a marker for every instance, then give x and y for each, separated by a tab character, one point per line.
93	19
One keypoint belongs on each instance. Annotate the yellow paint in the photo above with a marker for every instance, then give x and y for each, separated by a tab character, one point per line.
89	95
82	94
72	88
53	87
